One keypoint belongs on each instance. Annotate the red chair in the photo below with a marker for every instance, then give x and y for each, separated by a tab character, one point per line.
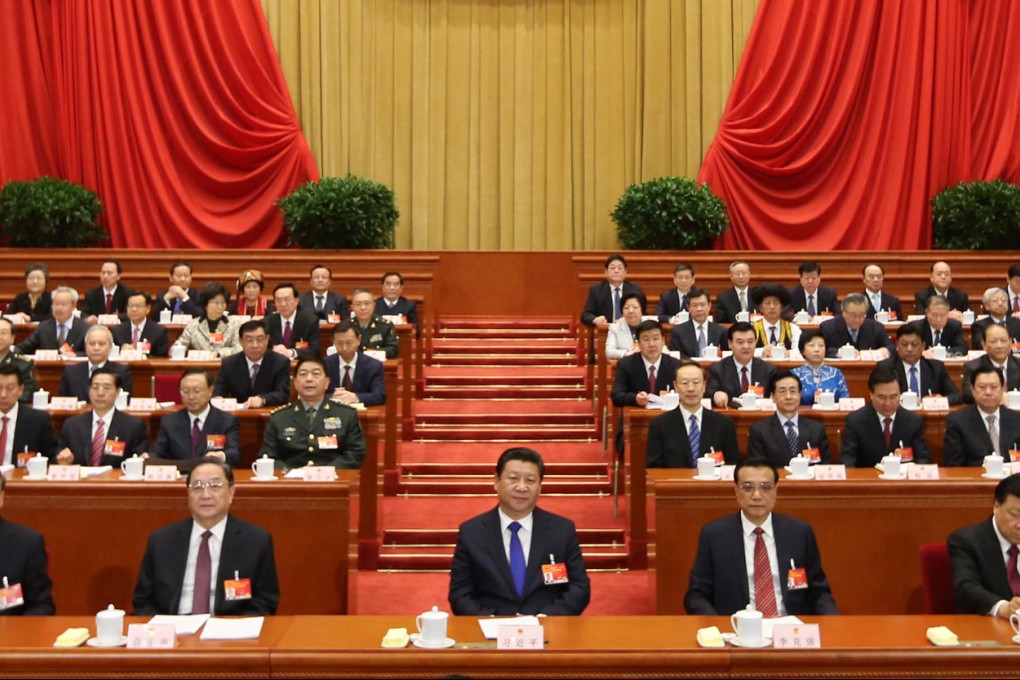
165	387
937	579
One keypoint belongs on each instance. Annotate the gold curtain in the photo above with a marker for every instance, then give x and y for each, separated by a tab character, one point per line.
509	124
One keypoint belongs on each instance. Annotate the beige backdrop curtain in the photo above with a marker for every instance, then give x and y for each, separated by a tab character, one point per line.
509	124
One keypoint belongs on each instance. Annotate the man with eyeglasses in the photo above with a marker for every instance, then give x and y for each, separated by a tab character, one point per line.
787	434
212	563
199	429
757	557
254	376
314	429
854	328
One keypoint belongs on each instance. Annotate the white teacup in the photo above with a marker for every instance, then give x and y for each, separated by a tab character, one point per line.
37	465
432	627
749	401
40	399
711	352
826	399
939	352
263	467
968	316
683	316
747	624
110	625
993	465
801	317
706	467
846	351
799	466
165	315
891	465
779	351
114	352
1013	399
1014	623
133	466
743	316
908	400
882	317
670	401
178	351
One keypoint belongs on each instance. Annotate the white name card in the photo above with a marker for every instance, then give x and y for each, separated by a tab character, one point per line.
161	473
830	472
726	473
922	471
63	403
1014	468
768	405
935	403
319	473
143	404
132	355
64	473
47	355
377	354
183	319
224	403
796	636
151	636
395	319
851	403
108	319
520	637
199	355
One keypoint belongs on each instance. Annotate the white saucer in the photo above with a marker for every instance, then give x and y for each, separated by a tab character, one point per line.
737	642
988	476
126	478
1016	639
94	642
713	478
819	407
33	478
264	479
887	476
417	642
800	477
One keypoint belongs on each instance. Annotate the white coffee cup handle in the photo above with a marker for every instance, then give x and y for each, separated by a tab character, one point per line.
733	624
417	623
1014	623
253	470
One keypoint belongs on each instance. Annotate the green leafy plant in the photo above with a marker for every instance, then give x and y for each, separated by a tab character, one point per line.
340	212
669	213
50	213
977	216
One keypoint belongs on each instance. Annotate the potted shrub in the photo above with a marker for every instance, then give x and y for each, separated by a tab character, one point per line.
50	213
977	216
340	212
669	213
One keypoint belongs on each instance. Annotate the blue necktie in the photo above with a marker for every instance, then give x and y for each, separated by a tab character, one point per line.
913	380
518	568
811	305
791	438
694	434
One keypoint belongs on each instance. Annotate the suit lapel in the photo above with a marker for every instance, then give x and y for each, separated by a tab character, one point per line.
738	560
494	544
227	564
181	545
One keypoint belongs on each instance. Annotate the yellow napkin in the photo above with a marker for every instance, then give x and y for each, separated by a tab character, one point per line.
942	636
72	637
710	637
396	637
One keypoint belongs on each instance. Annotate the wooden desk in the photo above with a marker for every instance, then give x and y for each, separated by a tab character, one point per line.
868	530
96	531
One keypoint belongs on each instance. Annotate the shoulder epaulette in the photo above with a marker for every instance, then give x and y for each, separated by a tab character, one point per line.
278	408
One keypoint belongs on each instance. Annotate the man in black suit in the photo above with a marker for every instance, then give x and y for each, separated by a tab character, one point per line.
179	297
139	332
998	356
883	426
110	297
677	438
98	344
691	337
984	428
22	428
677	298
604	303
392	301
917	374
320	300
941	280
996	303
24	562
854	328
104	435
940	329
984	558
212	563
64	332
719	578
734	375
200	429
353	376
649	371
879	300
787	434
9	358
738	298
292	333
518	558
810	295
255	376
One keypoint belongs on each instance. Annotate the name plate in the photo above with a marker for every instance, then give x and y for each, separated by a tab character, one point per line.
319	473
395	319
47	355
830	472
143	404
851	403
199	355
935	403
151	636
767	405
63	403
161	473
378	354
132	355
183	319
224	403
1014	468
726	473
107	319
64	473
796	636
872	355
922	471
520	637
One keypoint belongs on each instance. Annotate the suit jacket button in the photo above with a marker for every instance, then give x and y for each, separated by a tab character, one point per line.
311	449
311	436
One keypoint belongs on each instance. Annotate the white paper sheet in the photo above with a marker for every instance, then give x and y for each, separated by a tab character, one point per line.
186	624
233	629
490	627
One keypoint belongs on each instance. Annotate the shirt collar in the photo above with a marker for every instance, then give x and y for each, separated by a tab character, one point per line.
526	522
201	416
218	530
748	526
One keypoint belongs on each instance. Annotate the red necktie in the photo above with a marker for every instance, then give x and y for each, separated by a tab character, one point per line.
1016	303
254	373
135	336
764	591
98	443
348	385
744	384
651	379
203	577
286	334
1011	573
3	441
887	433
109	303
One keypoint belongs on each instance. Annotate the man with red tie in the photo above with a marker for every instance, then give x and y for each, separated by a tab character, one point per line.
110	297
104	435
883	426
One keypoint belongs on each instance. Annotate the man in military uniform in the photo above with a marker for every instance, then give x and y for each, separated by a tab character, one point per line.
375	332
314	429
9	358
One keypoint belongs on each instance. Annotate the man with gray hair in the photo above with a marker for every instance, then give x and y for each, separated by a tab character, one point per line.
737	298
854	328
996	303
940	328
98	343
64	332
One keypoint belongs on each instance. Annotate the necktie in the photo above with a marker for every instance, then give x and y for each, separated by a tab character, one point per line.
811	305
135	336
518	567
254	373
1002	372
914	387
702	343
1016	303
743	301
993	433
764	592
109	303
178	306
683	302
791	437
743	380
887	433
1011	573
938	337
348	385
319	302
61	335
98	443
203	577
310	414
876	301
617	312
651	379
196	436
694	434
3	441
853	335
286	334
772	336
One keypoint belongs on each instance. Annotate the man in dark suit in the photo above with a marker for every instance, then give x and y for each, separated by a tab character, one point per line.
738	298
996	304
104	435
139	332
677	438
636	373
64	332
517	558
320	300
604	303
883	426
879	300
733	376
255	376
392	301
677	298
984	558
240	581
9	358
22	428
110	297
24	562
98	344
939	329
998	356
199	429
292	333
353	376
691	337
854	328
179	297
810	295
719	578
984	428
787	434
941	286
917	374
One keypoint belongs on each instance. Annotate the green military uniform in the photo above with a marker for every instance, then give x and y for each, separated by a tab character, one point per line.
27	379
379	334
294	441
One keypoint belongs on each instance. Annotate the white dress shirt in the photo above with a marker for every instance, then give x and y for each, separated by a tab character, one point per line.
770	546
215	547
524	533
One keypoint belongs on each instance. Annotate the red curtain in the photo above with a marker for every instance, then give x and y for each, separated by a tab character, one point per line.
175	113
845	118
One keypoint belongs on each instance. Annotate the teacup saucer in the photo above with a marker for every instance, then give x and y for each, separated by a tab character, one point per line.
418	642
132	478
94	642
34	478
988	476
810	474
1016	639
255	478
714	478
737	642
885	475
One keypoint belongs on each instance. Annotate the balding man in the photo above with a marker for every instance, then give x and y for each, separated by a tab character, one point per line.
941	278
98	343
